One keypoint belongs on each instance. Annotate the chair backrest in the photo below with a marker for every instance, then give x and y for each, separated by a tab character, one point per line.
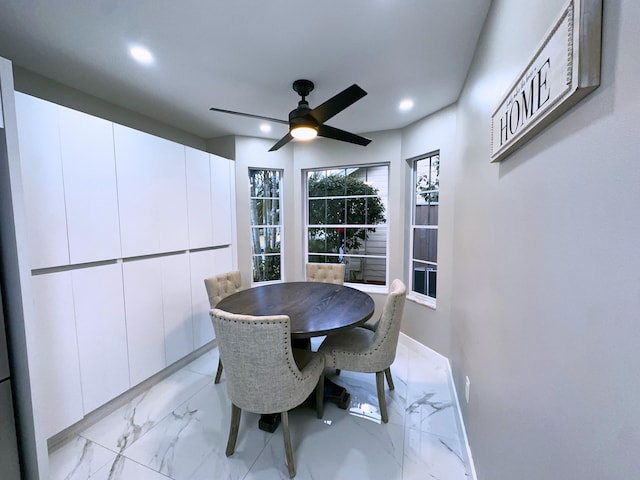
223	285
262	375
385	340
326	272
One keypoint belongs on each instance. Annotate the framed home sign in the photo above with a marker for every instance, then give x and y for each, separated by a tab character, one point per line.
563	70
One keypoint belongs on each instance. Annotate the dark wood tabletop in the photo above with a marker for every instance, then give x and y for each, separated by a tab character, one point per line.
314	308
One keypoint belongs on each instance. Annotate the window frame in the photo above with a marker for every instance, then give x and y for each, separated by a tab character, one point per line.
419	297
371	287
281	205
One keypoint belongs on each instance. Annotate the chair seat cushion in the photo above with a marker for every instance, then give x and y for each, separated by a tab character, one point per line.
351	350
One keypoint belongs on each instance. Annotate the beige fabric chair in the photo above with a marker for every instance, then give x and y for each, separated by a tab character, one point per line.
326	272
264	374
219	287
368	351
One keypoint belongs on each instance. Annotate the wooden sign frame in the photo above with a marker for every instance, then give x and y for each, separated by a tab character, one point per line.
562	71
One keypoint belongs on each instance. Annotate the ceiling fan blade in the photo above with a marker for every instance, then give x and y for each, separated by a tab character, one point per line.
250	115
337	103
283	141
337	134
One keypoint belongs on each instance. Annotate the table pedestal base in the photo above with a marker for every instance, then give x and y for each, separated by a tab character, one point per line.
333	393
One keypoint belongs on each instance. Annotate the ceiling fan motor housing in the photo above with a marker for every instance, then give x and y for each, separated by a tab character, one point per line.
300	117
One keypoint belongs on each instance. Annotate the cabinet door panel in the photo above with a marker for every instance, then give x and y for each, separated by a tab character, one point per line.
202	266
222	175
205	264
55	371
176	301
199	197
39	144
143	309
102	336
152	193
90	186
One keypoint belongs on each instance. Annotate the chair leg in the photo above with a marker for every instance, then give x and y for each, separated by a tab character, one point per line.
233	430
382	402
387	373
219	372
320	396
287	444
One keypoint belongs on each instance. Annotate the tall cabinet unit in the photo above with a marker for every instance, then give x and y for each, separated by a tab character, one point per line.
124	227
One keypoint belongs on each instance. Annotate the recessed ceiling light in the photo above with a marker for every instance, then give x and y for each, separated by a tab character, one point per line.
141	55
265	128
405	105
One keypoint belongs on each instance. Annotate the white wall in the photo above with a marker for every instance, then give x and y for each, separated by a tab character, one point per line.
545	294
430	326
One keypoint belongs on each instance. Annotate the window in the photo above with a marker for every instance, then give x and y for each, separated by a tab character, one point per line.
266	223
346	210
424	224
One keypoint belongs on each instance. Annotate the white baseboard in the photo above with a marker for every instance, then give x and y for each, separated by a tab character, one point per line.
421	349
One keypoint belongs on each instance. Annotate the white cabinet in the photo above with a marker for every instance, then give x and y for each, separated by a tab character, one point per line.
222	177
176	304
39	143
152	193
136	217
205	264
101	331
143	310
89	186
199	198
55	367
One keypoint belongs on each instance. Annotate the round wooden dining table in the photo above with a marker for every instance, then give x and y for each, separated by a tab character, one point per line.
314	309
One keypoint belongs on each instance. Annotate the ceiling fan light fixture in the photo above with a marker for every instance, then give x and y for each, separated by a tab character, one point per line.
304	132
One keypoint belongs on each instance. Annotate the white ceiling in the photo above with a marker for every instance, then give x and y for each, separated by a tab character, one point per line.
243	55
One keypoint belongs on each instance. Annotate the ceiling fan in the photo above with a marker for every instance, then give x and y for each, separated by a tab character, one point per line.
306	123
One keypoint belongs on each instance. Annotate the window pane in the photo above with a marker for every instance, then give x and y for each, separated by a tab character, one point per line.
427	172
424	279
322	259
264	183
356	211
425	244
325	240
336	211
316	186
266	240
336	184
372	271
426	214
266	267
317	212
265	212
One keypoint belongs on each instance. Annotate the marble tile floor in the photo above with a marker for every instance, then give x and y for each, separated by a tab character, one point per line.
178	430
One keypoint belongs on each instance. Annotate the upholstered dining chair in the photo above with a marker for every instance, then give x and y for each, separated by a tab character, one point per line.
326	272
219	287
367	350
264	374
